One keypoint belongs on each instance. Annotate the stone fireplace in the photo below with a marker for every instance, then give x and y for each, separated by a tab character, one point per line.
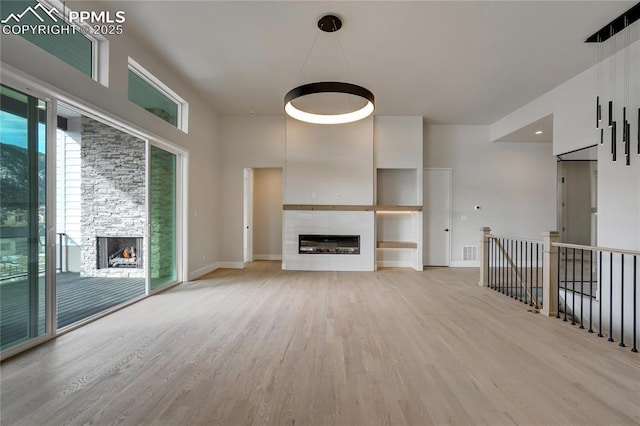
113	193
120	252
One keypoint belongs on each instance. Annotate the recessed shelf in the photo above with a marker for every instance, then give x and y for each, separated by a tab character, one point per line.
329	207
397	209
396	244
365	208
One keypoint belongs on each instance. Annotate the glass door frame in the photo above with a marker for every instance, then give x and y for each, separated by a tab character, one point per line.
50	217
24	83
180	217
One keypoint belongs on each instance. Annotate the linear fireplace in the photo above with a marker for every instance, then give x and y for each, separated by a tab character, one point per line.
328	244
120	252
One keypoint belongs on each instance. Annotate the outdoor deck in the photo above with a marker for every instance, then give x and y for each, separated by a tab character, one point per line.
77	298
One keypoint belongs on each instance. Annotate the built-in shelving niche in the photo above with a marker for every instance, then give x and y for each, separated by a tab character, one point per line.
399	218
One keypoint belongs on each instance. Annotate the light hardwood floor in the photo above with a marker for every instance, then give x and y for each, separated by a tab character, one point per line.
265	346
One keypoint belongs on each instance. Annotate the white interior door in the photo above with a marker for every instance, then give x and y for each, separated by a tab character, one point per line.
437	217
247	222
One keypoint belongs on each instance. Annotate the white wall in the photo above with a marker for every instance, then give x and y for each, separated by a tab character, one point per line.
246	142
618	202
514	183
267	214
68	192
19	55
573	107
329	164
397	142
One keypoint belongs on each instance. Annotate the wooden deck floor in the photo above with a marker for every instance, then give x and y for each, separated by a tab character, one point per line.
265	346
77	298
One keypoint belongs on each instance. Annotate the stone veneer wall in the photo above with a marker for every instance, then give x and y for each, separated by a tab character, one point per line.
163	217
113	192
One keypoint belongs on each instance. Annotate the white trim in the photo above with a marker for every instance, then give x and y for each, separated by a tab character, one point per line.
97	42
21	81
21	347
194	275
465	264
51	142
396	264
267	257
183	106
231	265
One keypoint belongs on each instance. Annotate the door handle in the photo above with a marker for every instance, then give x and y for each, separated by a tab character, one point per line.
446	230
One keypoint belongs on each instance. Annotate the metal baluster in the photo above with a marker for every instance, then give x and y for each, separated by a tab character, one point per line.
600	291
503	261
511	268
541	298
581	286
622	300
515	269
531	275
635	284
566	254
489	261
523	289
590	291
610	297
489	257
538	286
521	275
573	287
494	263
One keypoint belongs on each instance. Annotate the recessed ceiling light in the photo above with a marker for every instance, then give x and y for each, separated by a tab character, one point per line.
539	132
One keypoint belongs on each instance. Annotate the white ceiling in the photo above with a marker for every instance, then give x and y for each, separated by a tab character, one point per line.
539	131
449	61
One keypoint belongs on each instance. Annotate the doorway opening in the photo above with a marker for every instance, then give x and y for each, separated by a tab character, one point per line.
262	214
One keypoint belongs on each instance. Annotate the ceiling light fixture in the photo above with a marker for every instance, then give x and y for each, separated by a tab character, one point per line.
539	132
329	24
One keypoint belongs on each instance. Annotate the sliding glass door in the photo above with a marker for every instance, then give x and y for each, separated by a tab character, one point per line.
163	247
22	217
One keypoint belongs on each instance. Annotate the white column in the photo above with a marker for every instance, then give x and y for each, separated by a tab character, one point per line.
484	255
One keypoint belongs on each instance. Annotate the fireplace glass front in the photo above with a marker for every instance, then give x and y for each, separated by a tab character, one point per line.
329	244
120	252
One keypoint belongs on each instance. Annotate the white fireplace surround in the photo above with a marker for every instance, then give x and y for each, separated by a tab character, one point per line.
297	222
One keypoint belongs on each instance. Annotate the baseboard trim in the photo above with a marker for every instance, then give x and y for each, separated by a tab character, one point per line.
267	257
465	264
231	265
395	264
194	275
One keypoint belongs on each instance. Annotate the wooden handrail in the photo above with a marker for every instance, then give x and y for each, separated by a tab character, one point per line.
607	249
524	240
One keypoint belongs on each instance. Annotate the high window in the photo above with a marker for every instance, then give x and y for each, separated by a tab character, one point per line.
151	94
64	41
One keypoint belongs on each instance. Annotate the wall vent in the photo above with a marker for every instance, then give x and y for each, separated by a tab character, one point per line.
470	253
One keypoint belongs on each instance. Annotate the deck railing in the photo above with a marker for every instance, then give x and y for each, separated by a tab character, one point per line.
595	288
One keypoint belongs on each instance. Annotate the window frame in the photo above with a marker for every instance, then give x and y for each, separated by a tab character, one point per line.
183	107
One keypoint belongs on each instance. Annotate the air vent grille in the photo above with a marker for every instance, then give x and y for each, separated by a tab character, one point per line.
470	253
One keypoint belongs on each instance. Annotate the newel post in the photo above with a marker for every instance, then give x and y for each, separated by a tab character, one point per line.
484	255
550	274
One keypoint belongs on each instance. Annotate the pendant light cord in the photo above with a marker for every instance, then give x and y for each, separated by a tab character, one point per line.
306	59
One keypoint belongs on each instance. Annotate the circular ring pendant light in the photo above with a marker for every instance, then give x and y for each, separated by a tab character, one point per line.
329	23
